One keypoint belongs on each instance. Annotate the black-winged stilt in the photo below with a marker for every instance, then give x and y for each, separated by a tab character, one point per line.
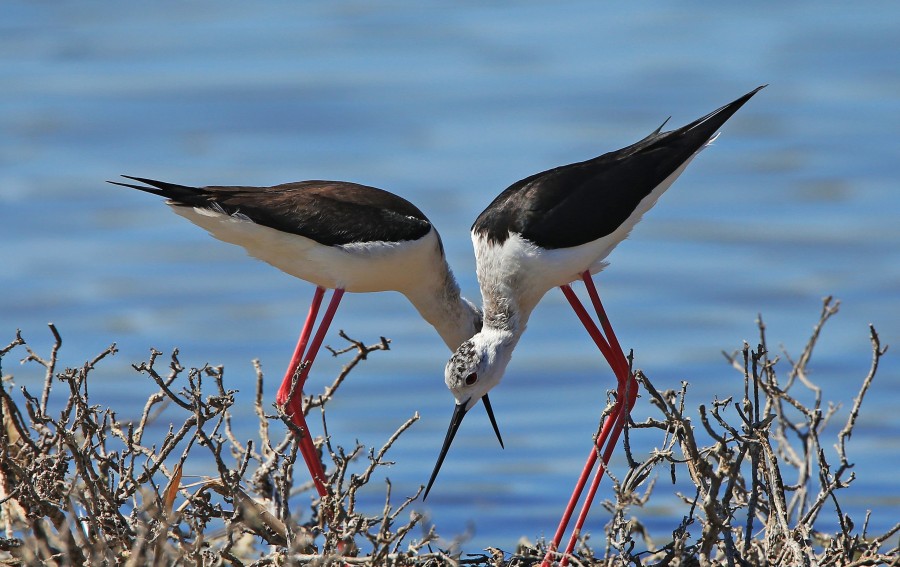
554	228
336	235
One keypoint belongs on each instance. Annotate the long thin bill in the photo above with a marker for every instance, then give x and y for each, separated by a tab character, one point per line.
490	412
458	414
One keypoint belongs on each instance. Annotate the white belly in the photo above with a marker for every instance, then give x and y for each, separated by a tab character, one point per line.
522	273
365	267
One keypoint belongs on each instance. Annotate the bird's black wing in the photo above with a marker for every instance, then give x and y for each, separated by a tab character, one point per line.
581	202
332	213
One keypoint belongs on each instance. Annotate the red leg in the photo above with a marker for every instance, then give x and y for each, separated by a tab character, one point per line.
290	395
320	334
604	320
617	418
605	349
590	326
284	396
284	392
612	426
627	392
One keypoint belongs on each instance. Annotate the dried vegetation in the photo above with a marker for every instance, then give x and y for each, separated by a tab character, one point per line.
83	485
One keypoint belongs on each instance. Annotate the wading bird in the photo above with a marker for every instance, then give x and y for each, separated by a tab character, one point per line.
339	236
550	230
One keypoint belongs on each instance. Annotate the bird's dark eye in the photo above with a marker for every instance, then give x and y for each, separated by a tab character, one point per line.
471	379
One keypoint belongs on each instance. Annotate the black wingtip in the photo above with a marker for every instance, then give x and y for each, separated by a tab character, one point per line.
700	130
162	188
661	126
740	101
153	190
153	182
714	120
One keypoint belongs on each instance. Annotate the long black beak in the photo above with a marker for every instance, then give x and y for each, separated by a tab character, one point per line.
458	414
490	412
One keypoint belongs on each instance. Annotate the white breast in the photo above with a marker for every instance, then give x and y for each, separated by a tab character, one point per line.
362	267
521	272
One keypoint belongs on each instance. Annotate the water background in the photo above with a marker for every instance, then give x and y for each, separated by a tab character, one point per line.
447	104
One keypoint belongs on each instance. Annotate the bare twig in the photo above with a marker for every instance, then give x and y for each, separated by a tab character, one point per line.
84	487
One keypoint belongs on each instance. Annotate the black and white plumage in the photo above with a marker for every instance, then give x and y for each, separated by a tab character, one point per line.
340	236
336	235
552	228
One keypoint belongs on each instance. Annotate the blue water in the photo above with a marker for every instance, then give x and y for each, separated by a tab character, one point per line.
447	105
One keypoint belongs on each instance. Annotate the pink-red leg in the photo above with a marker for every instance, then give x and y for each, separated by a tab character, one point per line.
320	335
604	320
606	350
284	392
290	395
614	423
284	396
626	396
617	418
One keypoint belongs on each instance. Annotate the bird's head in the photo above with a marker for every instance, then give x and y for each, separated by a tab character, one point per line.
473	370
469	373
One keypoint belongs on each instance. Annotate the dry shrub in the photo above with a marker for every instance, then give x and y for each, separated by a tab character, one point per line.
745	510
80	486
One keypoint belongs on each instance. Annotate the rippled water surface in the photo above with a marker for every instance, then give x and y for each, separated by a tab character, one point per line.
448	105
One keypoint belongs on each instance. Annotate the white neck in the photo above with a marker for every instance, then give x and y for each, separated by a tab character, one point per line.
511	282
499	345
502	311
455	318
